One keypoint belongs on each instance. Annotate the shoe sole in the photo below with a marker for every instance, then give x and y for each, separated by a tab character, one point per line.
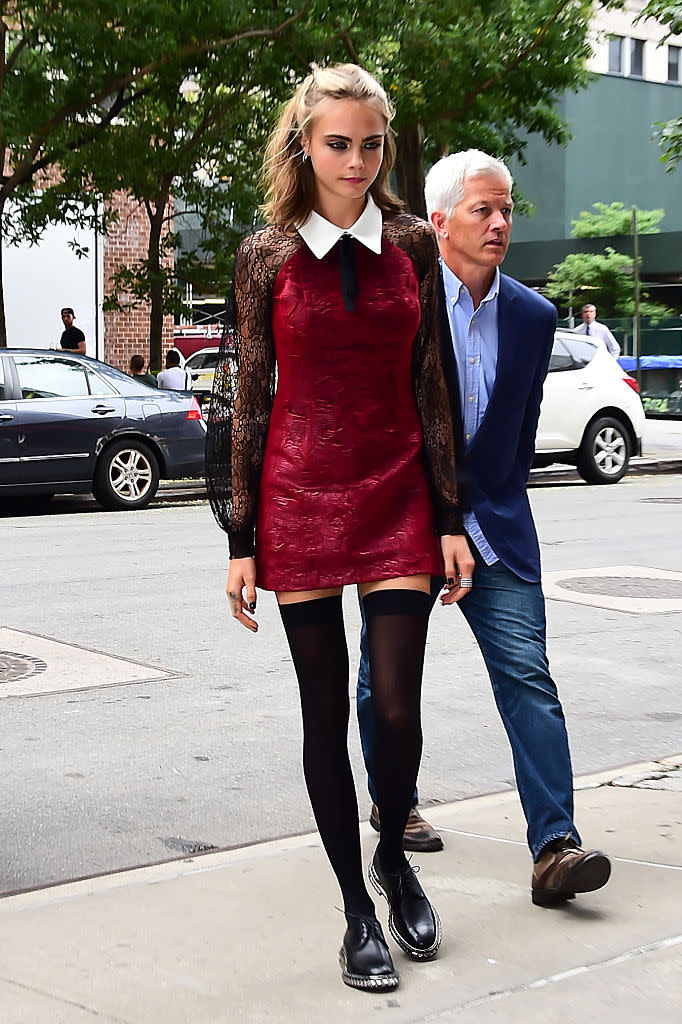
593	873
381	983
412	951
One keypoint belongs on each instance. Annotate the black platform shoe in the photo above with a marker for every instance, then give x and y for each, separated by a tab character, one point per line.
364	957
412	921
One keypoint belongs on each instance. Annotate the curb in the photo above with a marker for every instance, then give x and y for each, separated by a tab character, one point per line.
548	474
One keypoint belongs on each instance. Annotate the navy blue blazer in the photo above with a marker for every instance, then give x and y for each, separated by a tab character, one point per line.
493	468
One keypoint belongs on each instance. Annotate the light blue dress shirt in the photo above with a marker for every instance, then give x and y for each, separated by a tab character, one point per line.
474	340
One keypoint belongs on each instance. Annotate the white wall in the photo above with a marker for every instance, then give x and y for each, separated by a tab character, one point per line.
621	23
40	279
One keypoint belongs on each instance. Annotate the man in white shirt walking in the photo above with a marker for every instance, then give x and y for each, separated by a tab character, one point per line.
173	378
591	327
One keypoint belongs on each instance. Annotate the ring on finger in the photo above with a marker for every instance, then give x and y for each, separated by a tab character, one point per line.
466	582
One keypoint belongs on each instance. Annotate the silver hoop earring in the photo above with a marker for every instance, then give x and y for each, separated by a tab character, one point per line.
304	156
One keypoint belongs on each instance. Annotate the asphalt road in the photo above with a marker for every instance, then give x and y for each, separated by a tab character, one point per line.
111	776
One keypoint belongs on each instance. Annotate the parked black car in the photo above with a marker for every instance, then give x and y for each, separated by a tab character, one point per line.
70	424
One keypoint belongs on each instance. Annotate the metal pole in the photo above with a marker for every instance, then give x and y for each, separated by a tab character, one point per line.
636	338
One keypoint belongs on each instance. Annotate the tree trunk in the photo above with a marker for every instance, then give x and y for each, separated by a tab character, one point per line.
3	325
409	167
156	279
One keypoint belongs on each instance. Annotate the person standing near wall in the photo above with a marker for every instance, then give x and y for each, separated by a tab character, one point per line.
72	339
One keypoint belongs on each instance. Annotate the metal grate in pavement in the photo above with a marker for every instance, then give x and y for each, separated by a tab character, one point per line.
15	666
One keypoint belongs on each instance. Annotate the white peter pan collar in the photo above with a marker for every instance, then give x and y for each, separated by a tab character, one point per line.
320	235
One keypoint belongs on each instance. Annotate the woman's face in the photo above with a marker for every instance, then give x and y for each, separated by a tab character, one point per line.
345	147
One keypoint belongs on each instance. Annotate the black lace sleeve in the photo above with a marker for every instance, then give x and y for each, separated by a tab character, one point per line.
243	390
417	239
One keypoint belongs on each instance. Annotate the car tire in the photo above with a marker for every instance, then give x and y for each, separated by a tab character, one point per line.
604	455
126	475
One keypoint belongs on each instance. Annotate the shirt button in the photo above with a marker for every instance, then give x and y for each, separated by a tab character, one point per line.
468	437
471	398
472	360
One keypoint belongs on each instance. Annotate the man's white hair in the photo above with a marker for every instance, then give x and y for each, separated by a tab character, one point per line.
444	186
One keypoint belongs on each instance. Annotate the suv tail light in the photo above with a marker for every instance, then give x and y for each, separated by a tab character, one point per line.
194	411
631	382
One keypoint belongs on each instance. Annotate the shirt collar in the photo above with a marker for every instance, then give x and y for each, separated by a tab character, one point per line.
321	235
453	285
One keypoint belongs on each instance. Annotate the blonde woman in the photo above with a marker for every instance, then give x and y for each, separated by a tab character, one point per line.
343	473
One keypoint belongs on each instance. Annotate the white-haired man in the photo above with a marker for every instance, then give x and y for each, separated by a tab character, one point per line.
599	332
496	340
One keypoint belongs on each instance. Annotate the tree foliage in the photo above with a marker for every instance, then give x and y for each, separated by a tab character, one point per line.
606	219
94	89
606	279
70	70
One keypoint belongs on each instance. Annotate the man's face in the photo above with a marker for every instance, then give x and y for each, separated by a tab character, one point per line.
589	314
67	319
477	235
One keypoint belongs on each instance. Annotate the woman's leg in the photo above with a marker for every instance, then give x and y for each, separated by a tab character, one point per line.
397	613
317	640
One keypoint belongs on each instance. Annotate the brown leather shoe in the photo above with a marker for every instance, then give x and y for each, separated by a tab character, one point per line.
418	836
560	873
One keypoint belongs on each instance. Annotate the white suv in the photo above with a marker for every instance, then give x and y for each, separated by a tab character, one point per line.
591	414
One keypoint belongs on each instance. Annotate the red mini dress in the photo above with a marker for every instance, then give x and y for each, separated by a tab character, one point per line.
340	487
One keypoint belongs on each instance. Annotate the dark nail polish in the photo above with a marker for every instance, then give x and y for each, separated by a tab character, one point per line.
252	606
451	580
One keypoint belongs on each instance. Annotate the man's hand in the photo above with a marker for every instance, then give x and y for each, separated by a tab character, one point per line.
242	574
459	564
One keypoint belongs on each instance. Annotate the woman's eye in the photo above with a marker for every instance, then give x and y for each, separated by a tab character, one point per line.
372	145
337	144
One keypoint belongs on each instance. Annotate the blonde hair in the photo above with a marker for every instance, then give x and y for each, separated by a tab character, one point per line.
289	179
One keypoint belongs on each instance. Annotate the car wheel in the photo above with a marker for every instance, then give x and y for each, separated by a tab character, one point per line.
604	454
126	476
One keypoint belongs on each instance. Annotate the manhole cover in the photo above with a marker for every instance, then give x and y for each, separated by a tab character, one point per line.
187	846
15	666
662	501
624	586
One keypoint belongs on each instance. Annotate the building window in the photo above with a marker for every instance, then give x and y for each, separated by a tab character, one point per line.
674	64
637	58
616	55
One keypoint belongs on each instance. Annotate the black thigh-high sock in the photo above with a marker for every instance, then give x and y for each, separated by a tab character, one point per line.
397	623
317	641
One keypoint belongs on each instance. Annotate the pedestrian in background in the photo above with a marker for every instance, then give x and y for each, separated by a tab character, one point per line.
137	371
593	329
339	469
496	338
173	378
72	339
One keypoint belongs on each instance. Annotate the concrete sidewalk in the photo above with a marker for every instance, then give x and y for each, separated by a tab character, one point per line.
250	935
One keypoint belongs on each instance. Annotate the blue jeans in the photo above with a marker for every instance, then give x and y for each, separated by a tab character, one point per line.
507	616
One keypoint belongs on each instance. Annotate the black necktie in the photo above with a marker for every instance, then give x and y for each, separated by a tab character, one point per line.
587	329
349	277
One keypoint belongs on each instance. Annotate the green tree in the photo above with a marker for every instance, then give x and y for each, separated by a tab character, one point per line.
464	73
71	69
668	133
606	279
606	219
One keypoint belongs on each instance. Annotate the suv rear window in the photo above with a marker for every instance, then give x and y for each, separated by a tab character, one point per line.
570	354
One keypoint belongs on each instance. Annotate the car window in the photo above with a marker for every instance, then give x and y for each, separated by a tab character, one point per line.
46	377
561	358
582	352
98	386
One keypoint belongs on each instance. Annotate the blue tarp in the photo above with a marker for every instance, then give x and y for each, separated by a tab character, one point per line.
651	362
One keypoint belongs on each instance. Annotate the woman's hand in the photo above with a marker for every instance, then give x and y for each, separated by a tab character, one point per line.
242	574
459	564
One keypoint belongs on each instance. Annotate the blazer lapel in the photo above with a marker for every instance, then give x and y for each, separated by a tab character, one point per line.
447	357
